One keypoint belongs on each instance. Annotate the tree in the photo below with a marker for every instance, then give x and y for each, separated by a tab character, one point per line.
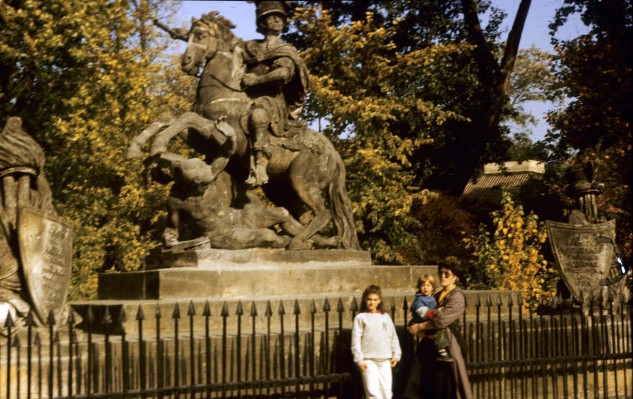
473	83
372	93
81	75
399	86
594	72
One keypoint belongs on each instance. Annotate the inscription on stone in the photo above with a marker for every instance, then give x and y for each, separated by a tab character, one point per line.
46	251
581	261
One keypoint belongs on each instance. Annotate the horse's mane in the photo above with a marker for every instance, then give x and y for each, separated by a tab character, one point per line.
224	25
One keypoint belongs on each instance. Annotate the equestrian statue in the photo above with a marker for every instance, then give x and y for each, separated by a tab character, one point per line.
245	122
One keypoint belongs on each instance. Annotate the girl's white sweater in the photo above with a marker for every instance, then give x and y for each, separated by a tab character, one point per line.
374	337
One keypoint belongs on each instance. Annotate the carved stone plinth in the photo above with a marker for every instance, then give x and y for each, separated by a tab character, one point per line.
256	273
260	278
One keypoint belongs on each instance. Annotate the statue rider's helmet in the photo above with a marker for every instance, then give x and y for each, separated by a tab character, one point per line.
265	8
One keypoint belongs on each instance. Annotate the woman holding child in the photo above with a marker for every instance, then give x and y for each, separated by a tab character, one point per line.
431	377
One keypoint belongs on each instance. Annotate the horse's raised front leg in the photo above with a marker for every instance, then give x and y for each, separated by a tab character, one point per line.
188	120
135	150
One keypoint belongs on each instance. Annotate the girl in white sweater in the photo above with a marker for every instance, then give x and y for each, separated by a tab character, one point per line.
375	345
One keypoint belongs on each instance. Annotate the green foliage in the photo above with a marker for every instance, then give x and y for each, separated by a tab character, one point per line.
81	75
510	258
531	77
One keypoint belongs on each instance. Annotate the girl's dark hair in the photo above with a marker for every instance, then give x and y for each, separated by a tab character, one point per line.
372	289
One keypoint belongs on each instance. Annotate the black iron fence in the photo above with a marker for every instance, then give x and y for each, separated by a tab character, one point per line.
573	351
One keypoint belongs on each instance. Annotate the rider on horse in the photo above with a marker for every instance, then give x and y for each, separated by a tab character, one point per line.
277	81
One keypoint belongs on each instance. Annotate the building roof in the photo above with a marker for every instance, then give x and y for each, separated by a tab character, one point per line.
512	176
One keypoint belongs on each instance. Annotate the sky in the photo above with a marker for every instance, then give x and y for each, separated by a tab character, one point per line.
536	32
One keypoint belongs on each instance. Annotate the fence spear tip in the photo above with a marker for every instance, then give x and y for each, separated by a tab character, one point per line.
70	321
269	310
296	309
192	309
51	318
353	307
8	322
281	310
207	309
339	305
140	314
176	314
240	309
30	321
326	305
312	307
253	309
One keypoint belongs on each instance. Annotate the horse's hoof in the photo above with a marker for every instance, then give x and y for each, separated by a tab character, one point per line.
255	181
331	242
299	245
133	152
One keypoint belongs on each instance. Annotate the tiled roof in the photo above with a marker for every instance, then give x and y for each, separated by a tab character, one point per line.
487	190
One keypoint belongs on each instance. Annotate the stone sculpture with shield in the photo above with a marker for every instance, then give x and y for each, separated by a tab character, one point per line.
35	244
583	259
245	122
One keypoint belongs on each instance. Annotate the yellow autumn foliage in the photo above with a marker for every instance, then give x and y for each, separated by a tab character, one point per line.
510	258
84	78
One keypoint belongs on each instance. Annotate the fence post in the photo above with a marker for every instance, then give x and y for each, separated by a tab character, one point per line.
297	312
282	347
239	313
327	362
160	352
125	352
8	324
253	314
224	314
207	342
51	363
140	317
29	334
176	318
191	312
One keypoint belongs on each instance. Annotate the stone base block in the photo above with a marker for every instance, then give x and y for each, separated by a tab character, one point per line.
224	259
255	281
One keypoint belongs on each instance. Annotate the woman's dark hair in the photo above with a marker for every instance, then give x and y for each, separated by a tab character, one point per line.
372	289
450	265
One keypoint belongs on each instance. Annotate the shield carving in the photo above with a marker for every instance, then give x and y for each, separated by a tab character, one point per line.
45	244
581	260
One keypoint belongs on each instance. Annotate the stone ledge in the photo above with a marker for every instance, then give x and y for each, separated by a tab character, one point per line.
225	259
255	281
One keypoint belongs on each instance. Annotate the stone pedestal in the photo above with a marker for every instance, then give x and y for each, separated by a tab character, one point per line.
222	274
252	280
256	276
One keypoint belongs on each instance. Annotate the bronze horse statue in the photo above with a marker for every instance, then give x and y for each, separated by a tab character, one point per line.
300	168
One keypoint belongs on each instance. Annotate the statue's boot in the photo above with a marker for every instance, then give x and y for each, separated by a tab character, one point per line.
258	175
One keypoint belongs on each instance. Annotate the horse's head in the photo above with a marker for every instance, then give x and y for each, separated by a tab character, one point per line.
208	35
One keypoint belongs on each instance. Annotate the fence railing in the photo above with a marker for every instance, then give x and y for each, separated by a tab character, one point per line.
244	352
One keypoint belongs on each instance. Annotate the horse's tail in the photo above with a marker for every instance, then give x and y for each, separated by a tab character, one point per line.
341	207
